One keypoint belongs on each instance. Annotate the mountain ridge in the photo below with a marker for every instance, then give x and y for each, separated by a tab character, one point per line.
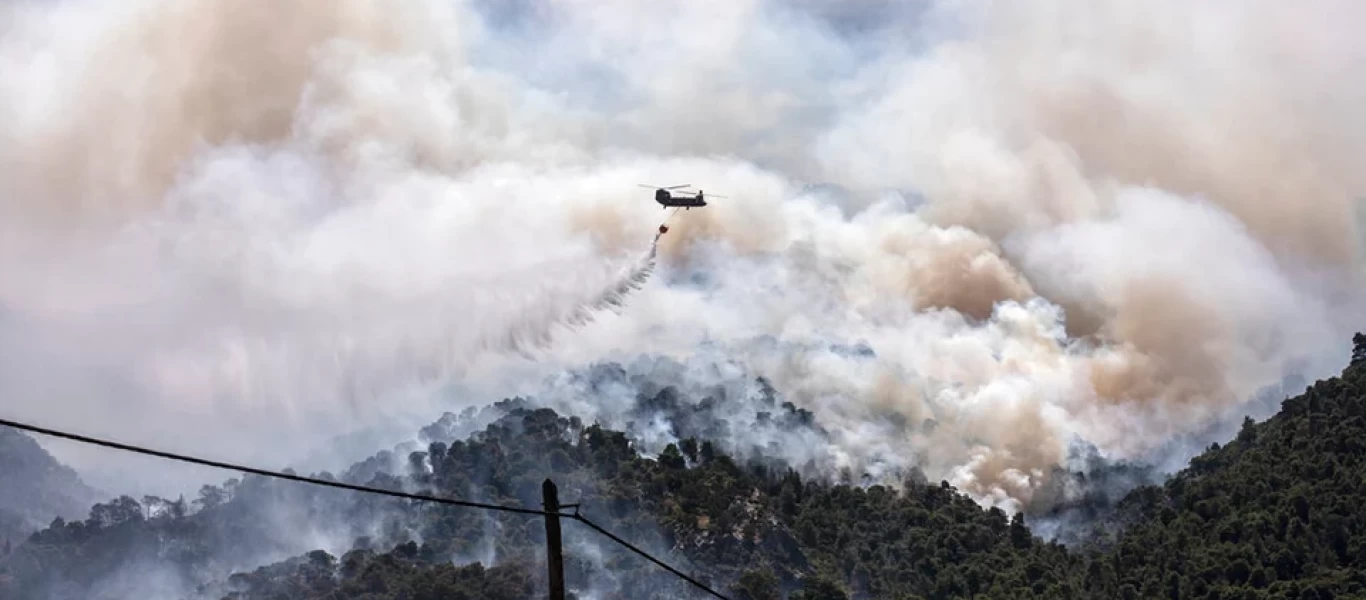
752	526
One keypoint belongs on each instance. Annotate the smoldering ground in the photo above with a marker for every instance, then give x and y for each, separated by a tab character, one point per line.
243	230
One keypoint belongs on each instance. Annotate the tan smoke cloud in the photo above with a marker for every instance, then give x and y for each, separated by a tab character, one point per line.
157	81
1244	104
954	269
1045	115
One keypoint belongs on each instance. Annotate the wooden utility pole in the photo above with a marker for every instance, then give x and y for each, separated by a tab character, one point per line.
550	499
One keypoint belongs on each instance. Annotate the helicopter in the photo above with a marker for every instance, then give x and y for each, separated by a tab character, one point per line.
666	198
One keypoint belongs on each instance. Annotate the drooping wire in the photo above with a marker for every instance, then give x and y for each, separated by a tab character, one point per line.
274	474
629	546
357	488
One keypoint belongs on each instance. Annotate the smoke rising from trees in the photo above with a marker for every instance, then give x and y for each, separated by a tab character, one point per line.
244	230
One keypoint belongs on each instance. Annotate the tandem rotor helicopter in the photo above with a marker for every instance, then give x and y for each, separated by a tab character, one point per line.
685	200
666	198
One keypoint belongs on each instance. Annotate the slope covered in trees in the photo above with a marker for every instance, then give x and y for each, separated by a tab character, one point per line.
1274	513
760	526
1270	514
34	488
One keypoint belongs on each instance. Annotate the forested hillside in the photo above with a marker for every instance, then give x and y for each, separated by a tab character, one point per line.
759	526
34	488
1273	513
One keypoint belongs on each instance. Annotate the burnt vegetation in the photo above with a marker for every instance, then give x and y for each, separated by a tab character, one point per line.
1273	513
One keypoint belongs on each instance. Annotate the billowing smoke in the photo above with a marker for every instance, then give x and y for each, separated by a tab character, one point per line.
243	229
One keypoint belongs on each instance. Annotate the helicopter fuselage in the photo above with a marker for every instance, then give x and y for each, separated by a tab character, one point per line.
666	199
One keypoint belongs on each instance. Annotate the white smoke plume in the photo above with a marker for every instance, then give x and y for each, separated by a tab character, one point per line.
244	228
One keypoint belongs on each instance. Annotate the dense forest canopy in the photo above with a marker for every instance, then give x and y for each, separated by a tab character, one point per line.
1272	513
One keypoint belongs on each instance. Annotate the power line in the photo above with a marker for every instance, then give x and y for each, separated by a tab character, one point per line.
275	474
629	546
360	488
